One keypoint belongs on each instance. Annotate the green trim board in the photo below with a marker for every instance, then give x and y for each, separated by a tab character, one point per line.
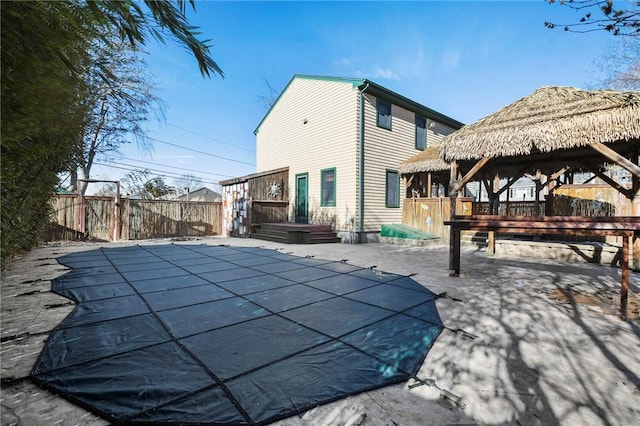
301	206
381	106
355	82
421	132
324	174
389	174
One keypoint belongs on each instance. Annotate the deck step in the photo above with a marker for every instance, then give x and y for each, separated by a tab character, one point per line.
295	233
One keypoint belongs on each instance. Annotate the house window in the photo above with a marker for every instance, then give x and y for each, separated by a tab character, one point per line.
421	133
392	198
328	187
384	114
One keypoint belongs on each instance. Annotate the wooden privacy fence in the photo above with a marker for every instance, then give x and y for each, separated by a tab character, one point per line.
429	214
268	212
590	200
96	218
511	208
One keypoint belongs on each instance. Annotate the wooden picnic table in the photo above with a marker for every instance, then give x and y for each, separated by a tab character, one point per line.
622	226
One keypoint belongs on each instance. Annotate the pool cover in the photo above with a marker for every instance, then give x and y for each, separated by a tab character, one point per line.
201	334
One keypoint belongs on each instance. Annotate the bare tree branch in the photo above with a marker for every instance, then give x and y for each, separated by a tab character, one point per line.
623	21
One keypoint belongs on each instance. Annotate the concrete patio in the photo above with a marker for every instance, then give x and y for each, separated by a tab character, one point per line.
529	341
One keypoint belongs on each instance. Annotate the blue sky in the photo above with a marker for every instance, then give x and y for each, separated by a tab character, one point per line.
463	59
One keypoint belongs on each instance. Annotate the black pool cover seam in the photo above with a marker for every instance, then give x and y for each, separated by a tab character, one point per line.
197	360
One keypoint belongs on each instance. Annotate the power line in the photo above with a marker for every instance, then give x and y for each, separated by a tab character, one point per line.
210	138
175	167
201	152
176	174
162	173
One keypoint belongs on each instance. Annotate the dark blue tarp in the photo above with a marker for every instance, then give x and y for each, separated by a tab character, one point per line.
198	334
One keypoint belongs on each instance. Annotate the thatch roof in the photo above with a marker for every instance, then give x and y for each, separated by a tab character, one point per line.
549	119
425	161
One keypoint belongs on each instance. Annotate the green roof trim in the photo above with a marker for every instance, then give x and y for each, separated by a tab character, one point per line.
413	106
355	82
376	90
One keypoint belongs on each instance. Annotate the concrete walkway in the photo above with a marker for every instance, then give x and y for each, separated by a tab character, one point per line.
540	341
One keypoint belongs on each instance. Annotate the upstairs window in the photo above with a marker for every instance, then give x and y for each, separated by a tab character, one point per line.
384	114
392	192
328	187
421	133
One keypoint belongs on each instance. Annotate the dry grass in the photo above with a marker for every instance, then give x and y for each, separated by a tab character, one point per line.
607	301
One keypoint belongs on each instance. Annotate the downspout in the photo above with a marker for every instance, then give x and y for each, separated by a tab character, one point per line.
361	167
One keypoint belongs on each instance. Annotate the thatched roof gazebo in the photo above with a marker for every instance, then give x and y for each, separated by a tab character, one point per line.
550	119
430	170
428	161
550	129
550	133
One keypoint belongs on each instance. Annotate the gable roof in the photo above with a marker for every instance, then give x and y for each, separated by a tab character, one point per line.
378	91
551	118
204	192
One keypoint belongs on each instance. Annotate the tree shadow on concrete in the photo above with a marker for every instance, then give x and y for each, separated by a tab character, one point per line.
537	360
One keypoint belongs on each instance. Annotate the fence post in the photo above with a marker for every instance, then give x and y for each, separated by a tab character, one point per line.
116	214
80	213
249	216
126	224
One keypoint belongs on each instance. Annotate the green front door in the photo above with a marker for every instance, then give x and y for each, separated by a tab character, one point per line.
301	206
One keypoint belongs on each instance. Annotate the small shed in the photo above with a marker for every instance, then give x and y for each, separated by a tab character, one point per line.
256	198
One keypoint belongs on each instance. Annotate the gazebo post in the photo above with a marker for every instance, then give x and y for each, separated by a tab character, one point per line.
454	235
538	182
624	286
635	211
494	207
634	156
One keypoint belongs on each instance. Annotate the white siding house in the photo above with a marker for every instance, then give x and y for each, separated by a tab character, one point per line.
201	194
343	139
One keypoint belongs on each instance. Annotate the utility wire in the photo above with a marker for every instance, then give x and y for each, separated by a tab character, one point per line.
201	152
210	138
134	167
174	167
162	173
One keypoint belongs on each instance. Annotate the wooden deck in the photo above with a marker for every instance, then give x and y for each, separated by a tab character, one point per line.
294	233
